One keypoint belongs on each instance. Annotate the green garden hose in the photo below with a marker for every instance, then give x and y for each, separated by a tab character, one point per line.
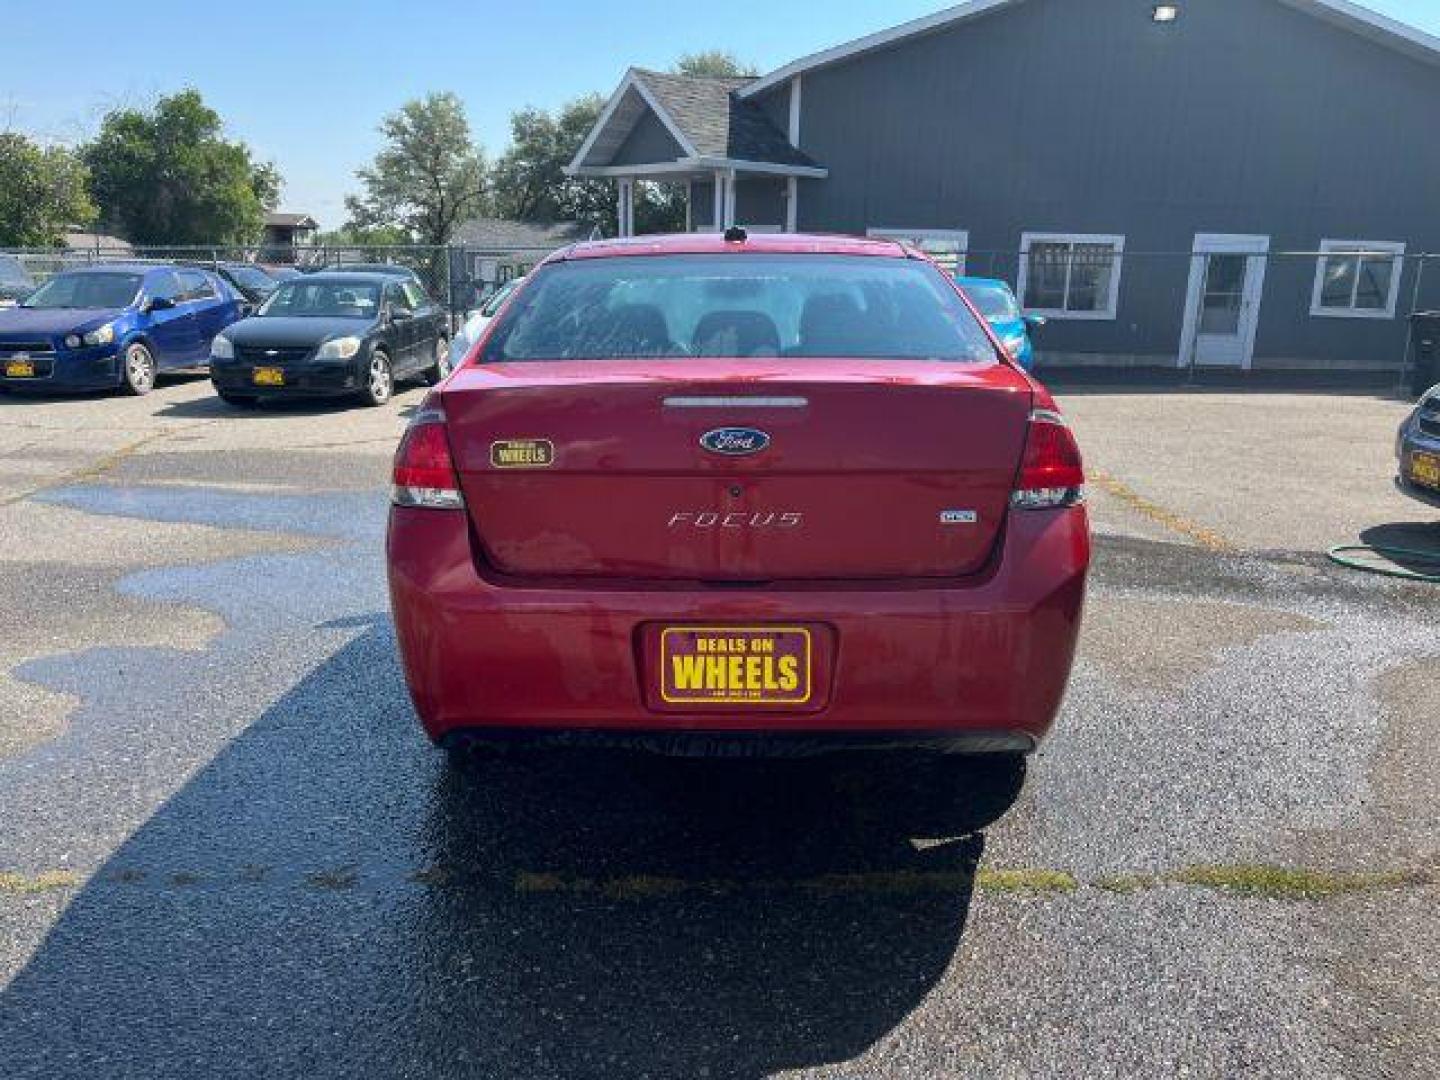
1346	555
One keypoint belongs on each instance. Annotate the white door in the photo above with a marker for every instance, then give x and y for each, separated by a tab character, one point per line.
1222	307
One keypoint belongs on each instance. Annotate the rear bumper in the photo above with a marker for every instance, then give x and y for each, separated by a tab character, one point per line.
1425	495
1413	441
730	744
981	665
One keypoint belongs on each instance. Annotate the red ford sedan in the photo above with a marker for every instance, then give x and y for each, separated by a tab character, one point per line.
739	495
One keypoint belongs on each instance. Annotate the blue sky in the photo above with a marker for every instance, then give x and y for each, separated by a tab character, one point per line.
305	81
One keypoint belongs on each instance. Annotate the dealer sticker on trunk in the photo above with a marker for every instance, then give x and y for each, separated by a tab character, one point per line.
522	454
736	666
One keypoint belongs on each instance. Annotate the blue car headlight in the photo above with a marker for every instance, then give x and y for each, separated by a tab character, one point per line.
103	336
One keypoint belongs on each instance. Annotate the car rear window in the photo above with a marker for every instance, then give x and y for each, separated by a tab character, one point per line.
738	305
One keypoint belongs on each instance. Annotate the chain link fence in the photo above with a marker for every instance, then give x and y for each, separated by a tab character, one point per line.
459	278
1229	305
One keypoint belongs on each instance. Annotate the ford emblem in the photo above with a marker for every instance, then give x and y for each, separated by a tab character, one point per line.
735	441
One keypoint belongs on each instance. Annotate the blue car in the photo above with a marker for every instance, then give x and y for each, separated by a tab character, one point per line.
1001	310
113	325
1418	448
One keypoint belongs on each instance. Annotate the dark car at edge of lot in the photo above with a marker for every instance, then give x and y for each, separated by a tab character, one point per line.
113	325
253	283
15	281
1418	449
394	270
332	334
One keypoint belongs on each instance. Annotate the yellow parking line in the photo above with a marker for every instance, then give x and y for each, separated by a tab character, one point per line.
1169	519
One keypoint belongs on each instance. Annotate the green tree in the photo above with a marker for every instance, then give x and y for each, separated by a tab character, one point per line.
43	193
167	175
529	182
429	178
713	63
380	236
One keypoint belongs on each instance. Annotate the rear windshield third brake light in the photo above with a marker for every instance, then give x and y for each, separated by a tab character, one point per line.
1052	475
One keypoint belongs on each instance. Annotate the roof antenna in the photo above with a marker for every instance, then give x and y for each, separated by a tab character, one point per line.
736	234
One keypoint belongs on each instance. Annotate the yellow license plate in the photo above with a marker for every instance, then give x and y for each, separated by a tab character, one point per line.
20	369
735	666
269	376
1425	469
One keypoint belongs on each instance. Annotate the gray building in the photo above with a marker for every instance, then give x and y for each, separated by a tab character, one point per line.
1237	183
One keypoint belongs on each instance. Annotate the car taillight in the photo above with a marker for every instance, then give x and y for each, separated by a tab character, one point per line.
424	473
1051	474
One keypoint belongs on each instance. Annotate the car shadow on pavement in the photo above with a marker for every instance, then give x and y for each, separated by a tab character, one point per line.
212	407
329	895
17	395
1411	545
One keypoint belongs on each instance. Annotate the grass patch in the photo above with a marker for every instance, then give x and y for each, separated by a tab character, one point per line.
646	887
526	882
1125	884
433	876
1283	883
23	885
899	882
1026	881
340	878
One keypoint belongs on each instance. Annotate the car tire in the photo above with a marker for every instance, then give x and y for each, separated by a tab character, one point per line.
437	371
137	370
240	401
379	380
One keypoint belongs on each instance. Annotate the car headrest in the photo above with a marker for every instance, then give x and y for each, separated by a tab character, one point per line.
736	333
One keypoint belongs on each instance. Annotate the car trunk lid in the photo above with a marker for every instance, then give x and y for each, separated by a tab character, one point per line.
738	471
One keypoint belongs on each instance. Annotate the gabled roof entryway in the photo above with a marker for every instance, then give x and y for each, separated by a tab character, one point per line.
658	126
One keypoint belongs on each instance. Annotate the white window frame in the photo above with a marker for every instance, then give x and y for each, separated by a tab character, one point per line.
1106	314
911	235
1353	247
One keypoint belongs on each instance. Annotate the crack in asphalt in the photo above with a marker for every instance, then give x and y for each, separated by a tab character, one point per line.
1163	516
103	465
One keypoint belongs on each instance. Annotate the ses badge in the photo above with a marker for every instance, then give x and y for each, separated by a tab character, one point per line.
522	454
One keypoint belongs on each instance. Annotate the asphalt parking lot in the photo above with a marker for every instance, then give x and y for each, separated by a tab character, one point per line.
227	850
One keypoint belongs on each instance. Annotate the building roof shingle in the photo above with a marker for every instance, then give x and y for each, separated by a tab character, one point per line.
717	122
291	221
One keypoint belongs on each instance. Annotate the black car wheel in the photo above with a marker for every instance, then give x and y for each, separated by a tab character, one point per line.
138	374
437	371
379	379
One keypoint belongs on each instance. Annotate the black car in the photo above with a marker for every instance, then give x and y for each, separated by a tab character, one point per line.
15	281
253	283
394	270
332	335
1418	448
